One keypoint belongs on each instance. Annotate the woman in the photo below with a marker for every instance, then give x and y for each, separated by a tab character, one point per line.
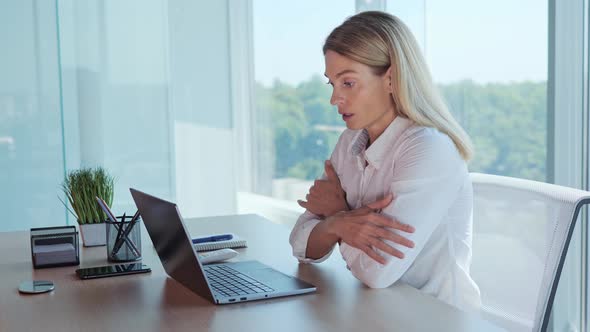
396	195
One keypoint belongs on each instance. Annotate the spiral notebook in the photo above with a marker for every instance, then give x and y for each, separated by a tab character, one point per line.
233	243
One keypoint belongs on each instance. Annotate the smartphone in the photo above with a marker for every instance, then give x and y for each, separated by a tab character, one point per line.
112	270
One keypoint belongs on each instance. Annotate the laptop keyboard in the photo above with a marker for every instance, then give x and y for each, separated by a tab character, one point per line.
230	282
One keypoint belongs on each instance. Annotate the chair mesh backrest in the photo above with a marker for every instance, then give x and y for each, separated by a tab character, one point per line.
520	232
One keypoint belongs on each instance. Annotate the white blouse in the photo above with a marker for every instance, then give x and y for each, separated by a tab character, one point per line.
432	191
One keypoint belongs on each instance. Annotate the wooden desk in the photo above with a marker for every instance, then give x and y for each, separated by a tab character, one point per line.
154	302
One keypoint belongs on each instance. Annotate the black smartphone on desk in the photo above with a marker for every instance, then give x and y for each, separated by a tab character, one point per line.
112	270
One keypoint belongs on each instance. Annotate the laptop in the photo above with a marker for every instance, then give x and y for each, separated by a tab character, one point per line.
220	283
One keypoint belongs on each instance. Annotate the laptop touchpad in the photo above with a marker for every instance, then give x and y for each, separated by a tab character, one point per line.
277	280
267	274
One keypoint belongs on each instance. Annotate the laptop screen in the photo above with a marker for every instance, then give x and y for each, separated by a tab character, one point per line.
172	241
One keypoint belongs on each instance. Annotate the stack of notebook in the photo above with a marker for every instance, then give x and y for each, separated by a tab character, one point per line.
234	242
54	254
54	246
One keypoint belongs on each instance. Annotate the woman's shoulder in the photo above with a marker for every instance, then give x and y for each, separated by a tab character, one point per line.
425	134
422	138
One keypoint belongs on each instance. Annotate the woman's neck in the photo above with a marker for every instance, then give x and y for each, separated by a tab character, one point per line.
378	127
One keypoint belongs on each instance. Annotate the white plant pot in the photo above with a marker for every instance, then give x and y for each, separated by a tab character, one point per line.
94	234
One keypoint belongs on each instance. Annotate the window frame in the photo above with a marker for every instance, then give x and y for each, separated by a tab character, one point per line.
567	140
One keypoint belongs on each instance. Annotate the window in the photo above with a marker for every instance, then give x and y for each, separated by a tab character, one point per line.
490	61
297	127
115	84
495	85
492	71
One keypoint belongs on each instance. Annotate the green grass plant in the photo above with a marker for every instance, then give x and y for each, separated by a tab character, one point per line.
81	188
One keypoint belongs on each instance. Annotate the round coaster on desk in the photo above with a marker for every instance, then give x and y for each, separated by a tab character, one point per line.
36	286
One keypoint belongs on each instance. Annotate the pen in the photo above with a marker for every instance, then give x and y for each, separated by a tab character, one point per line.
213	238
120	230
103	205
125	235
111	216
106	209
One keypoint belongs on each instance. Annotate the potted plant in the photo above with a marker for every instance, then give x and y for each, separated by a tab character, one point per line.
81	188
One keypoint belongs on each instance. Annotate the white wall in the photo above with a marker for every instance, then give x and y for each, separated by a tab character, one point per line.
200	97
160	70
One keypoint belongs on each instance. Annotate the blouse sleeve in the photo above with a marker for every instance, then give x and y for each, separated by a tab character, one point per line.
428	174
300	234
307	221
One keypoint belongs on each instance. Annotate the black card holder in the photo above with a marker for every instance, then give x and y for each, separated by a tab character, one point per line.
54	246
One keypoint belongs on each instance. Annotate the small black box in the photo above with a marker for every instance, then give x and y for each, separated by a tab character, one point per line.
54	246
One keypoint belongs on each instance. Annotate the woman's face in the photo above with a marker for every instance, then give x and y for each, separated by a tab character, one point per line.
362	97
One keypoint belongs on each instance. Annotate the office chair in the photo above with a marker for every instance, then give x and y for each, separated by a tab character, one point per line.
521	233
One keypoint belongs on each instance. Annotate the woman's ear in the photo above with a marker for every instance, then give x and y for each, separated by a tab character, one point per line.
388	80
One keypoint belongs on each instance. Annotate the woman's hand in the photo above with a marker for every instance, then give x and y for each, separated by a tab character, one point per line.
366	229
326	197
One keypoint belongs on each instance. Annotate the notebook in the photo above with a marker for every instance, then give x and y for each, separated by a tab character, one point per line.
233	243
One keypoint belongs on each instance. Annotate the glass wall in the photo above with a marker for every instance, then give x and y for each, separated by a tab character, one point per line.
31	141
494	83
292	98
139	87
492	70
116	93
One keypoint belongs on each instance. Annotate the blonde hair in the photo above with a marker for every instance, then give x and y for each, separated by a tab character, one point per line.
380	41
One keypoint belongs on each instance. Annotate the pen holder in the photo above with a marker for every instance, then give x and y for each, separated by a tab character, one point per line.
123	240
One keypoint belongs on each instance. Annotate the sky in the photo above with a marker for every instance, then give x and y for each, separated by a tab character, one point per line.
485	41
